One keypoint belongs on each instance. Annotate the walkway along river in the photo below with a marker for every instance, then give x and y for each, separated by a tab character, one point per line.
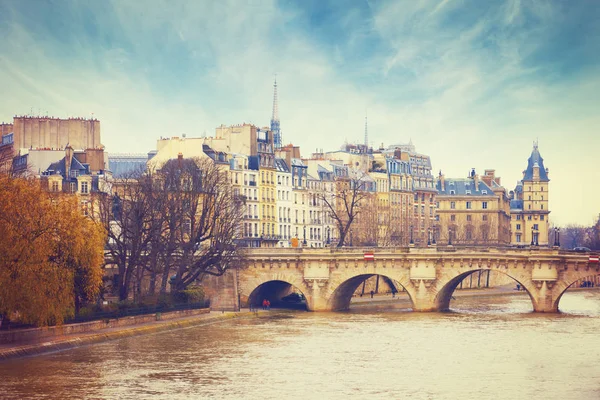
492	348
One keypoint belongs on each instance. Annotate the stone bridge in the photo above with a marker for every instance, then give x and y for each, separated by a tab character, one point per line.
329	277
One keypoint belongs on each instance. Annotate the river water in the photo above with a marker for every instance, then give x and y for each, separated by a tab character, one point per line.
487	348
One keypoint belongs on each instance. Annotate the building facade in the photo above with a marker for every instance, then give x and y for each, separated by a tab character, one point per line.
529	211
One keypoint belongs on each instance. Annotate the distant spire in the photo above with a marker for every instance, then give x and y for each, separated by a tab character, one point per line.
366	133
535	144
275	128
275	116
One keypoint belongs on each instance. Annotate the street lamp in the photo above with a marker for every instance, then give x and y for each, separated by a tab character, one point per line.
449	236
433	237
329	235
532	237
304	241
428	236
411	235
557	237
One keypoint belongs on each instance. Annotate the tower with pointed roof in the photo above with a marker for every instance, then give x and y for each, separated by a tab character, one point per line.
275	128
529	204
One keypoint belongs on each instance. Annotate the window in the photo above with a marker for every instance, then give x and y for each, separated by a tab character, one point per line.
484	205
484	218
468	218
518	227
484	192
452	192
518	238
518	217
452	205
55	186
468	205
535	227
541	217
453	217
529	218
437	217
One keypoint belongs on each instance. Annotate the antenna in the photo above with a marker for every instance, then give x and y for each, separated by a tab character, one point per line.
366	132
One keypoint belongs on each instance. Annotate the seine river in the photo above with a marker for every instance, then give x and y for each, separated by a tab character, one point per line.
487	348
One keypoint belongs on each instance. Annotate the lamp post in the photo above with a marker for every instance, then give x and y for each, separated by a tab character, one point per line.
428	236
537	238
532	237
304	241
557	237
433	236
411	235
329	235
449	236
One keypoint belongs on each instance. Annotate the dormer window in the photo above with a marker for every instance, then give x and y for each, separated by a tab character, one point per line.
467	192
484	192
452	192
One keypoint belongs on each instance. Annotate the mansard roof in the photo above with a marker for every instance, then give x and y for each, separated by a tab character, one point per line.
460	187
60	167
535	160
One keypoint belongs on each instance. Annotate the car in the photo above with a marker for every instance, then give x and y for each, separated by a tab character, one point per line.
293	298
582	249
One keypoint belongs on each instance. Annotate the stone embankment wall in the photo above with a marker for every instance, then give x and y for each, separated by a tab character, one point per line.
33	334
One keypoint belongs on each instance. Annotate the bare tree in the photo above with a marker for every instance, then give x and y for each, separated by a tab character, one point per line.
127	216
211	215
572	236
345	203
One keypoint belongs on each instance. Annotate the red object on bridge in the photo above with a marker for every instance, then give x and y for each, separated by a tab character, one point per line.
594	259
369	256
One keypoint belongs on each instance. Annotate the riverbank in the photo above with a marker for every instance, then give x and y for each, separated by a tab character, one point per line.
70	341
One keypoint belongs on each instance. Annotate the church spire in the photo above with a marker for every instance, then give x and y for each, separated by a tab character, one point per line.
275	129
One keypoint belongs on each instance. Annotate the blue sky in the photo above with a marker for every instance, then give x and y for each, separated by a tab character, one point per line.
472	83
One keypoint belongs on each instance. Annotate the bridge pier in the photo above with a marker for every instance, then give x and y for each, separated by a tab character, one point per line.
316	301
544	299
422	299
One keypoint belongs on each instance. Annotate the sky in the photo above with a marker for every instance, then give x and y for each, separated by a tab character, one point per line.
472	83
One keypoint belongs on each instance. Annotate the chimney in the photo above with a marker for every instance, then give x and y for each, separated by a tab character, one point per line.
476	180
180	160
68	160
442	182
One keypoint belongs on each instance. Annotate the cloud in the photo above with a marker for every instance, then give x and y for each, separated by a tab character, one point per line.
472	83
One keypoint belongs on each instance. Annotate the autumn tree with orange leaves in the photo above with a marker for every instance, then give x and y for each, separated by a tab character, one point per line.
51	255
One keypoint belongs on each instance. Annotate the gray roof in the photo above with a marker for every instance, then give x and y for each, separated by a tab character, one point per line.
122	167
459	187
535	160
281	165
60	167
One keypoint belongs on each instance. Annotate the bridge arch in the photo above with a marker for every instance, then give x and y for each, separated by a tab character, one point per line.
445	286
341	289
272	286
564	285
